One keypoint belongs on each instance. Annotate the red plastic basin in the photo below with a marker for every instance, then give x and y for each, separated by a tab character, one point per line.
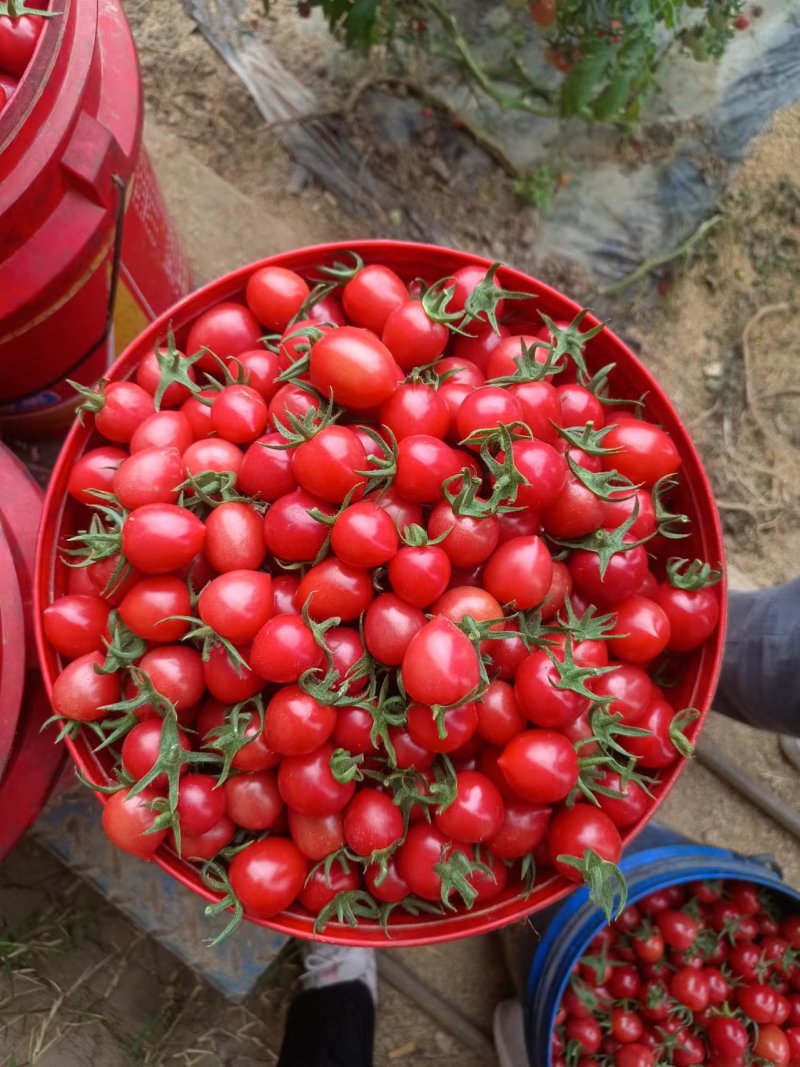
629	379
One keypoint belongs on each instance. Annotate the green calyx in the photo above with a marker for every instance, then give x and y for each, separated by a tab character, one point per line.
210	489
417	536
682	574
93	397
606	485
15	9
103	539
231	736
310	335
607	543
319	292
677	728
347	907
529	369
342	272
573	677
598	385
482	302
302	429
669	524
208	639
409	790
434	303
346	768
124	649
606	883
589	627
454	868
569	342
215	878
444	789
174	368
587	439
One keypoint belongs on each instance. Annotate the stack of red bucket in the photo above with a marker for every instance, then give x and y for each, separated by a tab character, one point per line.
88	256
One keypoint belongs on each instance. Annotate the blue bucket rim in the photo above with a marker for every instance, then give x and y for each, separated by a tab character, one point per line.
577	921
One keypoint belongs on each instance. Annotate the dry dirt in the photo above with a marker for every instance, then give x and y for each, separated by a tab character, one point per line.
721	332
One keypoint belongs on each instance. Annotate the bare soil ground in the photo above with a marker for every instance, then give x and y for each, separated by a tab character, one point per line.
80	985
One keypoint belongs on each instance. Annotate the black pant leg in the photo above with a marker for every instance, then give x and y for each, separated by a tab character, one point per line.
330	1027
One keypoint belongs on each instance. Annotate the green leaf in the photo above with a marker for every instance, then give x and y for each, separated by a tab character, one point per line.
579	85
612	100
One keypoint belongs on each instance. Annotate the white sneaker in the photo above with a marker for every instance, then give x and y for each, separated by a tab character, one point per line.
327	964
790	747
509	1034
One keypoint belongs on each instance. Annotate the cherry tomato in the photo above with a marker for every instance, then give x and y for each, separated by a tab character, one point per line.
275	295
225	330
693	615
268	875
94	471
296	724
389	626
125	406
321	888
355	366
80	694
201	805
519	572
467	541
333	589
458	725
150	476
646	454
259	368
237	604
421	852
205	846
641	631
239	414
372	822
18	37
328	465
283	649
574	830
316	835
370	297
423	463
364	536
290	530
540	766
440	666
416	408
76	625
153	606
159	538
253	801
538	696
128	821
307	784
477	812
413	338
420	574
234	539
655	750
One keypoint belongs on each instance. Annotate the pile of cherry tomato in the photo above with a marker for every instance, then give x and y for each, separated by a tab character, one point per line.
19	33
373	586
705	973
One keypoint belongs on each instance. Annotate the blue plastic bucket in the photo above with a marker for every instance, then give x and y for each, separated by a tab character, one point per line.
657	859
